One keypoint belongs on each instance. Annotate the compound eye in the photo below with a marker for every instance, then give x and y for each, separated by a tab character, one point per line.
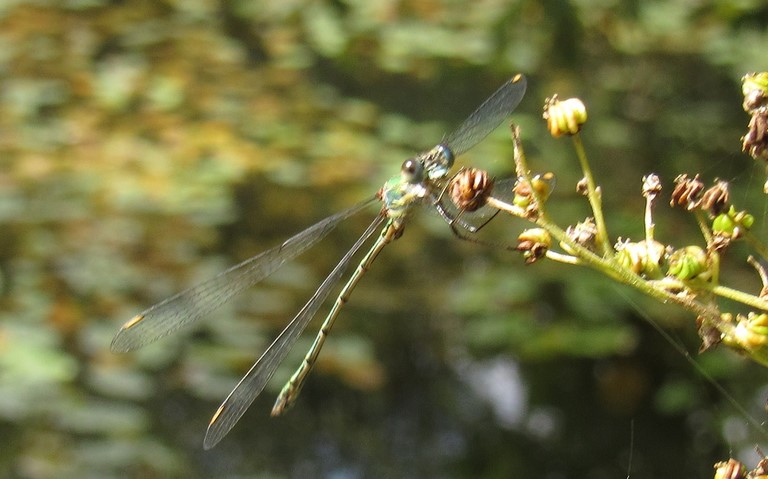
412	171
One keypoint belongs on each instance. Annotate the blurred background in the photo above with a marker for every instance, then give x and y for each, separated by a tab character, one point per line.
147	145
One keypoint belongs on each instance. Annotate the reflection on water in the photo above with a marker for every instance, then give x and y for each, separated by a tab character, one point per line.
499	382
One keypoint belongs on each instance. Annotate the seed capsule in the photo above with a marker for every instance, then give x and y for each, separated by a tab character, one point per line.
687	192
470	188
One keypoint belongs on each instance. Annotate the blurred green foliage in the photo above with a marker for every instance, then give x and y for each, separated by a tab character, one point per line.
146	145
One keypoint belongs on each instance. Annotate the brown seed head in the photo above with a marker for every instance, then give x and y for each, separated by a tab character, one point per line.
687	192
715	199
470	188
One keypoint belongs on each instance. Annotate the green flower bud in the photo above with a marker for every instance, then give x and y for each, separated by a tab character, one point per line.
732	223
723	224
744	219
687	263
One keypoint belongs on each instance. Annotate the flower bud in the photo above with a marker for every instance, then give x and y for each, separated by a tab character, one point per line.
534	243
732	224
744	219
687	263
754	86
723	224
752	332
750	335
644	258
731	469
564	117
542	185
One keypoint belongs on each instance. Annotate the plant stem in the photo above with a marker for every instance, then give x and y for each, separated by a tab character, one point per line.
594	196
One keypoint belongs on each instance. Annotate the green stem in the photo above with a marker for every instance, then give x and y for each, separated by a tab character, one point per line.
609	267
740	296
593	195
754	242
650	227
701	220
521	168
563	258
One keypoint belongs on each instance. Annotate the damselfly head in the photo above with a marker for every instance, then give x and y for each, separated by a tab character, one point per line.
438	161
412	171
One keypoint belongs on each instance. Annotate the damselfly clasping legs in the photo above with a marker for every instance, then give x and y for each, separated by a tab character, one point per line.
420	181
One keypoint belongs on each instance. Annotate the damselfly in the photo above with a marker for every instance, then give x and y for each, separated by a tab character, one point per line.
420	181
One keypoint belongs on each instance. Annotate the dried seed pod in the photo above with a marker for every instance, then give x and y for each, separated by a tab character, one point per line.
583	233
651	186
687	192
709	334
470	188
755	142
754	86
715	199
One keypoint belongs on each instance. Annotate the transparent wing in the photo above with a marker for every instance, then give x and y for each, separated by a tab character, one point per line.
472	221
487	116
254	381
504	190
192	304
